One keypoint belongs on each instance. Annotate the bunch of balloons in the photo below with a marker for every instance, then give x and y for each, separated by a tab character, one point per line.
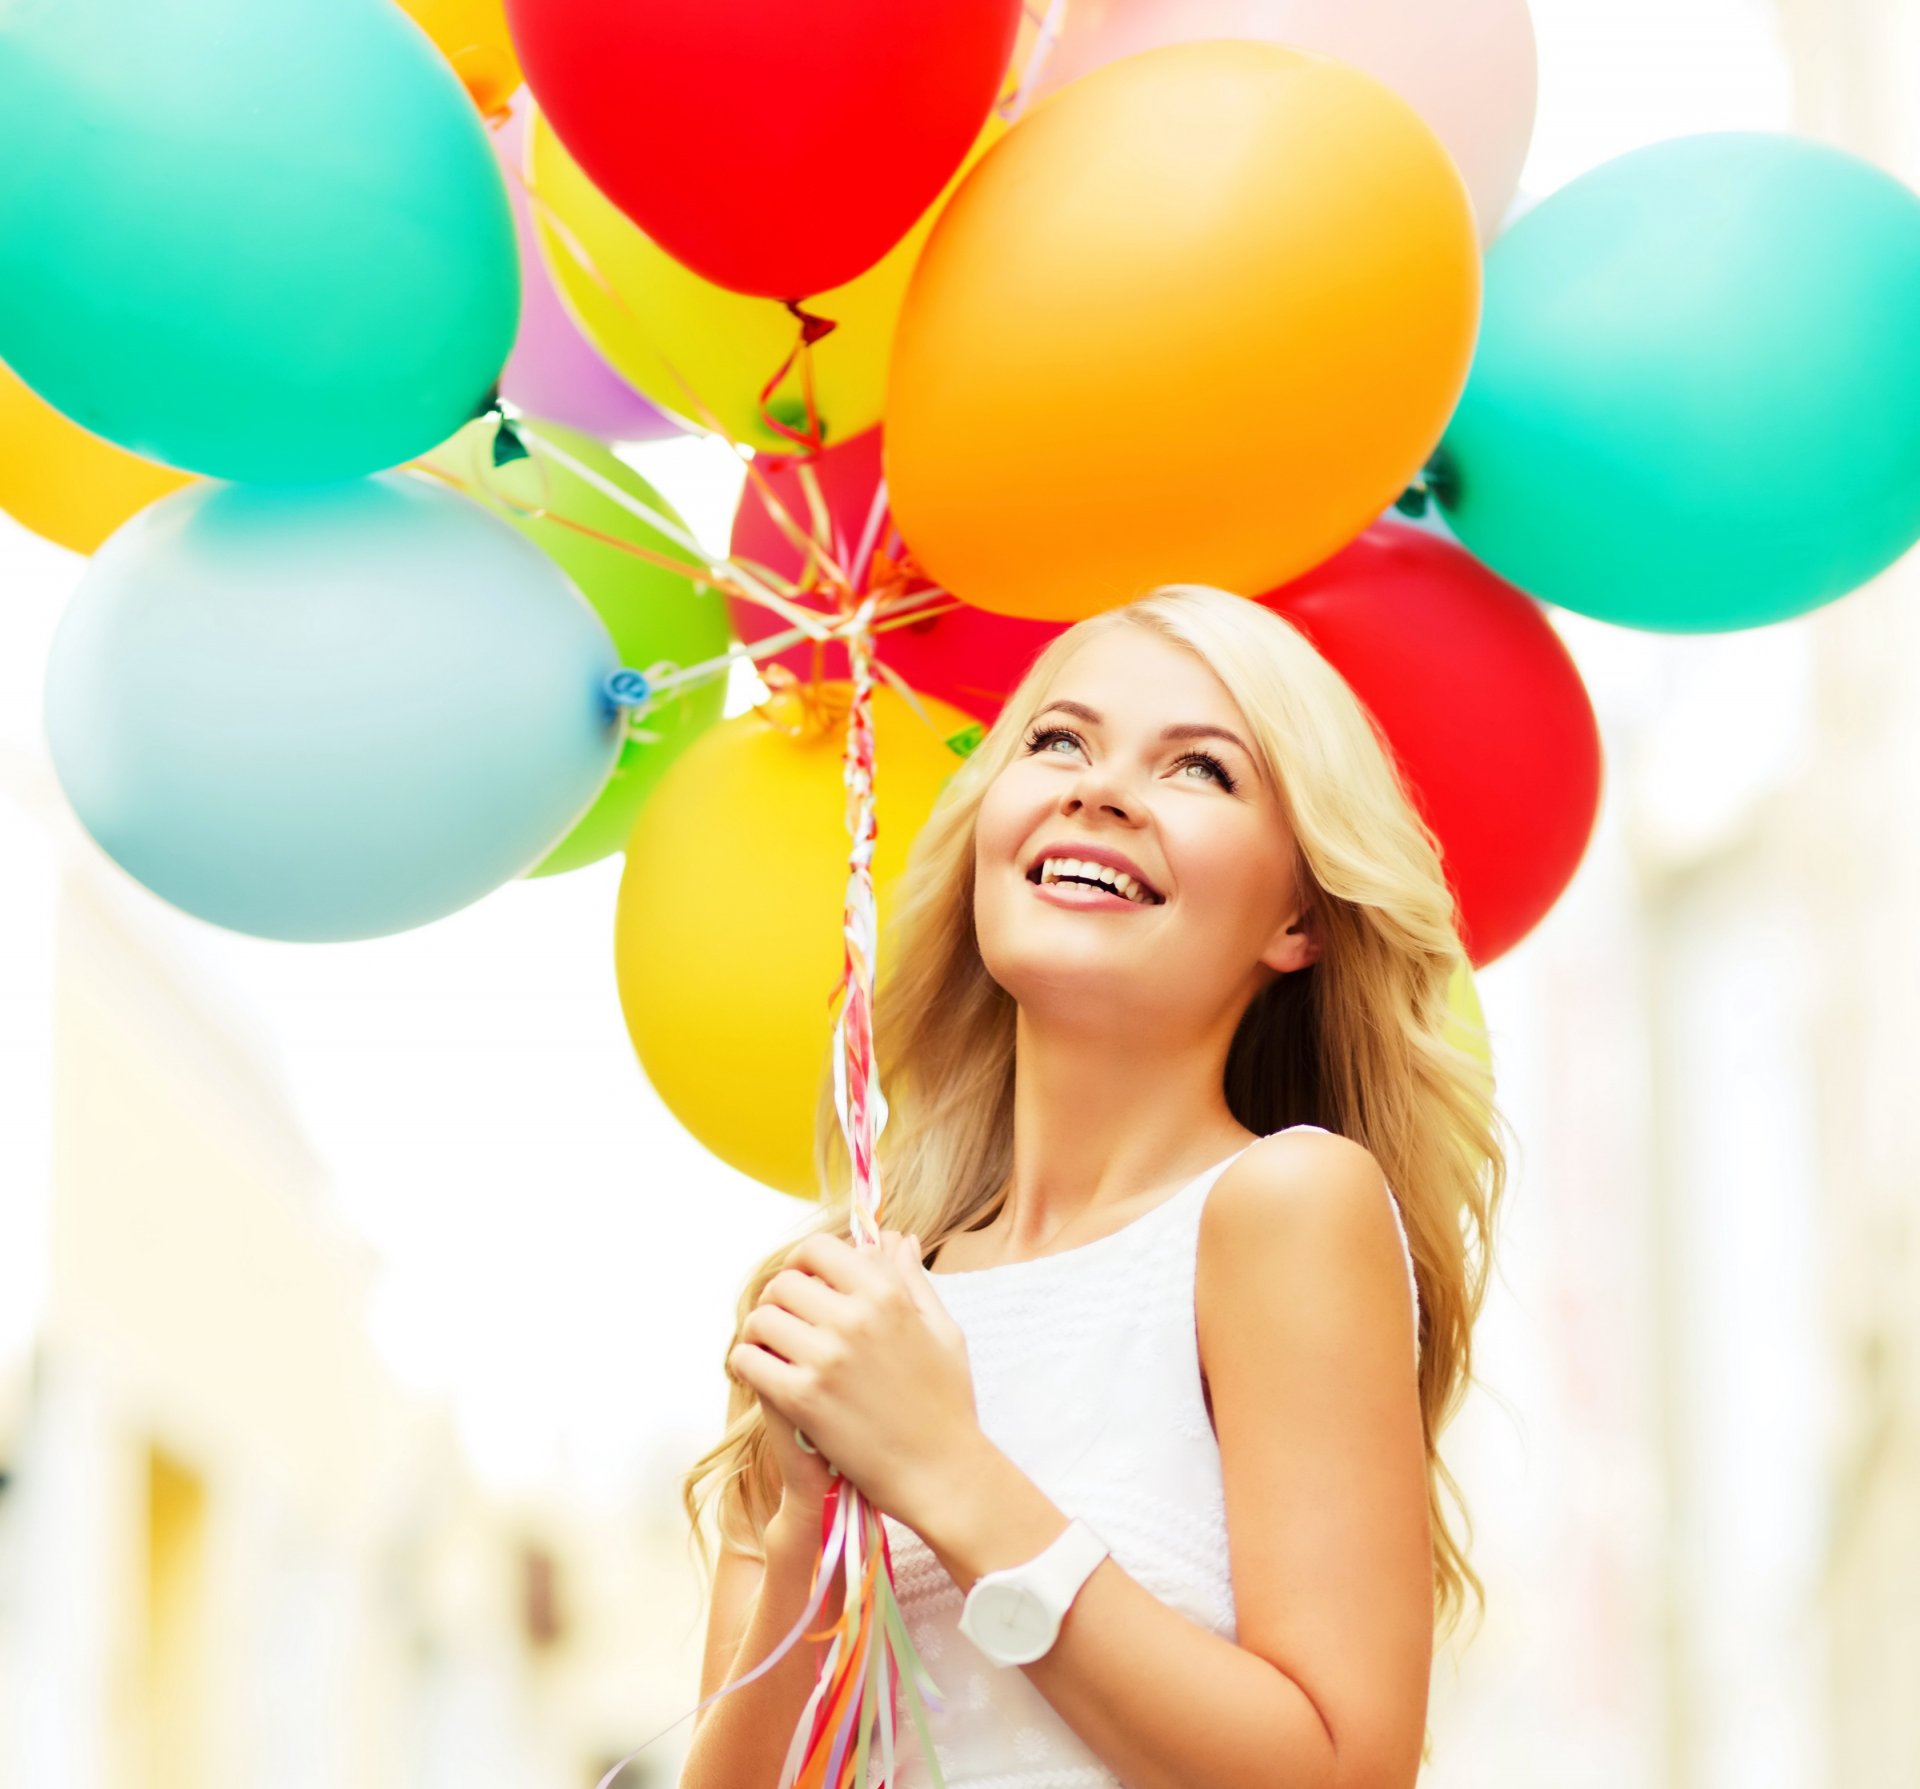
321	348
258	305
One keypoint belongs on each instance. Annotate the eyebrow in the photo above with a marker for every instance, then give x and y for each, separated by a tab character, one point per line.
1180	730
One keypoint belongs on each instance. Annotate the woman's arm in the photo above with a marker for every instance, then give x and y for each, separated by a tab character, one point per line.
740	1741
1306	1335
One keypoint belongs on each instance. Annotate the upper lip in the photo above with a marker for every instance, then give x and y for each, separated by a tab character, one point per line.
1088	852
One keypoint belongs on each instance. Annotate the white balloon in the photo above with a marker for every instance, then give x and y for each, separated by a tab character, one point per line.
1469	69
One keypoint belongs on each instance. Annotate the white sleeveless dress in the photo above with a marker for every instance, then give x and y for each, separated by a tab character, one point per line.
1086	1372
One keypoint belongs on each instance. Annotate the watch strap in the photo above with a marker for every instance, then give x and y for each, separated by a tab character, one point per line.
1060	1570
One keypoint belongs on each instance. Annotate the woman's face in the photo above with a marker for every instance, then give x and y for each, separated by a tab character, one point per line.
1137	752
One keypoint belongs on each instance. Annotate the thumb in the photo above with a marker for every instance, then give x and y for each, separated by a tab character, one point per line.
919	1287
920	1283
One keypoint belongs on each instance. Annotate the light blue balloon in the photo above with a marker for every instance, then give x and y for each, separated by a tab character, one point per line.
1695	401
259	239
331	712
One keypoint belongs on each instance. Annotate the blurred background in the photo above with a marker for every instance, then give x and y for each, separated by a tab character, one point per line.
360	1307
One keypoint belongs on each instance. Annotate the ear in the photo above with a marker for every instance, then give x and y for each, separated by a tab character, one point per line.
1294	945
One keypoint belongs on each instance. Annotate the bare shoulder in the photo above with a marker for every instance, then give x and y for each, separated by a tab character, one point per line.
1303	1214
1305	1333
1299	1177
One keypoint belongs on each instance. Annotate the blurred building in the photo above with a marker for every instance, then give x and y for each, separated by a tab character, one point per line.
232	1550
1694	1459
1859	85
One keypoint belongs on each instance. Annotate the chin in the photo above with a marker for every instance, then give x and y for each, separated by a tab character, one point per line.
1035	968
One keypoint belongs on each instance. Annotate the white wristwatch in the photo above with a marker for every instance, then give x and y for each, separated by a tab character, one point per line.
1014	1615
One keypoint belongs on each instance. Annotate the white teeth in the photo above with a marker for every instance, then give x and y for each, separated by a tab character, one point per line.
1118	880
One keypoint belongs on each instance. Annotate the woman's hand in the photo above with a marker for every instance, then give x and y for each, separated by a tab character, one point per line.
853	1346
804	1477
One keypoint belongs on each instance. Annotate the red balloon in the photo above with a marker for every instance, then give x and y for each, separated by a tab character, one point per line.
1485	709
777	147
965	656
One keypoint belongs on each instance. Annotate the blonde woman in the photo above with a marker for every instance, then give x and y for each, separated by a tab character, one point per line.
1176	1291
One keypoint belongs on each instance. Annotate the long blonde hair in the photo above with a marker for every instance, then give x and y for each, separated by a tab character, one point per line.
1361	1041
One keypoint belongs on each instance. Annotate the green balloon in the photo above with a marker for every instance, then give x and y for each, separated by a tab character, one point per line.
1695	402
654	614
265	240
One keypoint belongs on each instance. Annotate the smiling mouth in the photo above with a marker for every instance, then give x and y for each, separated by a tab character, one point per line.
1092	884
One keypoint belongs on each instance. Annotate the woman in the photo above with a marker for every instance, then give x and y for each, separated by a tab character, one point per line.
1162	1020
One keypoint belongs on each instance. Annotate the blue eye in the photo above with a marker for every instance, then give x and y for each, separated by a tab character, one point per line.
1040	735
1043	736
1213	764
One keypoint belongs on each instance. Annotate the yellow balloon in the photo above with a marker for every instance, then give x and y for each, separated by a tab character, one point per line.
63	481
1466	1023
694	347
727	940
1466	1029
1199	316
472	35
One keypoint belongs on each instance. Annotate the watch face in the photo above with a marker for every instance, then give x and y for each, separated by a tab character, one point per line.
1014	1620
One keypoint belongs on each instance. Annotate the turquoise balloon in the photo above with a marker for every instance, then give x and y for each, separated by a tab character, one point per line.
331	712
258	239
1695	402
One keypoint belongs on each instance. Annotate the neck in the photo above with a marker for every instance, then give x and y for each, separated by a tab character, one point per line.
1098	1119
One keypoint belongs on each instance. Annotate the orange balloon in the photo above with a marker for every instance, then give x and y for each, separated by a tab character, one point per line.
1198	317
472	35
64	482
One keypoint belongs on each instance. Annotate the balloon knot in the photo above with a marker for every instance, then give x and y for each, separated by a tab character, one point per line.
507	444
966	739
628	688
1433	483
812	328
801	710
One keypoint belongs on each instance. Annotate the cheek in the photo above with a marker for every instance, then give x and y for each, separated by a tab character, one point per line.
1007	816
1229	883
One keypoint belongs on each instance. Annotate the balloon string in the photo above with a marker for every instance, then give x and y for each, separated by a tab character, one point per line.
853	1687
852	1699
901	578
816	1594
807	543
919	604
728	572
813	437
1049	24
695	405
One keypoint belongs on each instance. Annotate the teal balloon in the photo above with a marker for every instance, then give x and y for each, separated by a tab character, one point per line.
330	712
258	239
1695	401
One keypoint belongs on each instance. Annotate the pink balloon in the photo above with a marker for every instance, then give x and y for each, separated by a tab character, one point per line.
1469	68
554	371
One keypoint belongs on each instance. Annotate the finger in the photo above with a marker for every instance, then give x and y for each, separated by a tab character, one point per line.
806	1295
920	1286
899	1251
770	1376
843	1266
792	1338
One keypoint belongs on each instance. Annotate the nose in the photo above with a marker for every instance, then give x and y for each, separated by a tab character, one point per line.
1098	788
